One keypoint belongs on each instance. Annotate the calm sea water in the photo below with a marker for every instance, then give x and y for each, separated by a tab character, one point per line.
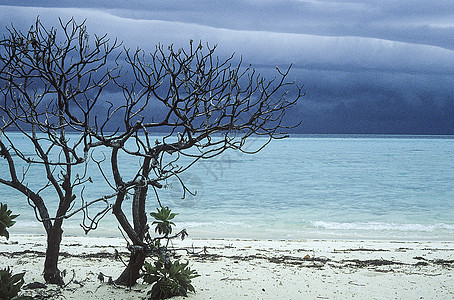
365	187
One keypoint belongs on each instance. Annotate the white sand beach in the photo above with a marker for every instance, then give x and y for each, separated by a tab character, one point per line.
253	269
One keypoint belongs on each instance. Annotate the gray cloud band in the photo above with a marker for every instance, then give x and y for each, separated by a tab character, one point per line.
357	60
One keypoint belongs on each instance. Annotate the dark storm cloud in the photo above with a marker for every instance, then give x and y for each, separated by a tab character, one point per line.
367	66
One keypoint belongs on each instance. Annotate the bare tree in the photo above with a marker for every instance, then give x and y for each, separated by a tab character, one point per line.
205	105
45	80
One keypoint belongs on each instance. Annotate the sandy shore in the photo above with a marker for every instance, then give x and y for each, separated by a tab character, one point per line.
254	269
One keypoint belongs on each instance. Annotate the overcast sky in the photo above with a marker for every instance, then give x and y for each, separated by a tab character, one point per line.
368	66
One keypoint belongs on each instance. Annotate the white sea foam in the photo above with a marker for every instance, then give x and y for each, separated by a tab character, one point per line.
377	226
216	224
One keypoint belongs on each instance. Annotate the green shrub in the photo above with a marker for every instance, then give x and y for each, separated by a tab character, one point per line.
163	223
175	280
6	220
168	278
10	285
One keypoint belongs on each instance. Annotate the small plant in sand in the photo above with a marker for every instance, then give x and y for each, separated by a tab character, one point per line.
163	223
10	285
169	278
6	220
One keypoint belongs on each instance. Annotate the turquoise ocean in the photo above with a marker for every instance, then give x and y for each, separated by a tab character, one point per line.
303	187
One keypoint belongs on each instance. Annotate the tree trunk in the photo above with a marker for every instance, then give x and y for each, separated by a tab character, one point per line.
132	272
51	272
137	258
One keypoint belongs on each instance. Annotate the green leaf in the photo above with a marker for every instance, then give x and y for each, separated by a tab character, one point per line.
10	285
6	220
171	216
4	232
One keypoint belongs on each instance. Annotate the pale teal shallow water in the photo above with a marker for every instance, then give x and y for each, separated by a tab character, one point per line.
361	187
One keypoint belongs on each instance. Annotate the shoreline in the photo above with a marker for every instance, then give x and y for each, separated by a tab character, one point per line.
257	269
359	238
